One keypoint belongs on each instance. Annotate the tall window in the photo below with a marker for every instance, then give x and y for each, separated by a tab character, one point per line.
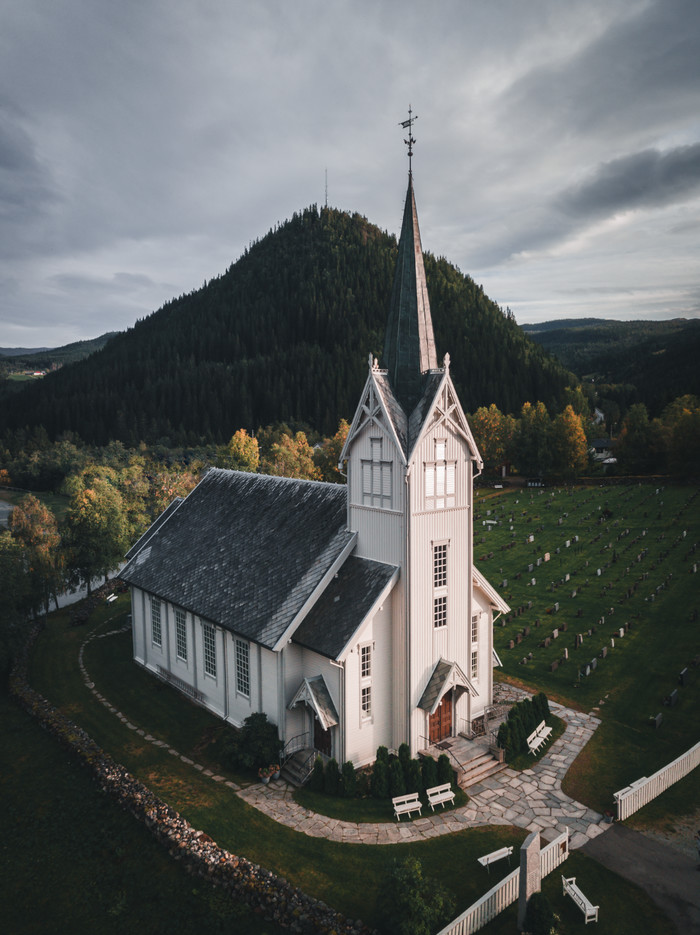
440	479
475	628
156	629
180	634
366	681
376	477
209	637
440	584
243	668
475	663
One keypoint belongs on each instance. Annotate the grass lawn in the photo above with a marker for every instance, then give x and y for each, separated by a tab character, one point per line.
366	809
72	862
57	503
643	543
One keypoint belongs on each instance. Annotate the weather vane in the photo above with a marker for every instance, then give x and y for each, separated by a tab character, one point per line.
408	125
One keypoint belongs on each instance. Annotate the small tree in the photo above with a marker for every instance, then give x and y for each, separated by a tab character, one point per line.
256	744
331	778
411	904
404	752
543	704
348	780
316	782
539	917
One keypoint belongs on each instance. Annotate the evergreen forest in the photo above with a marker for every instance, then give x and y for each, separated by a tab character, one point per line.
282	336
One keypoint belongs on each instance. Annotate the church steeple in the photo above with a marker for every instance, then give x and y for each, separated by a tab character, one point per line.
409	344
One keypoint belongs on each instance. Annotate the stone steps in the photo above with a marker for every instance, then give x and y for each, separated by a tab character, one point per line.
479	768
294	770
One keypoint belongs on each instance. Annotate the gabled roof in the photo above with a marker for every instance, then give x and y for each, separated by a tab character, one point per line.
344	605
445	675
245	551
494	598
409	344
154	527
314	692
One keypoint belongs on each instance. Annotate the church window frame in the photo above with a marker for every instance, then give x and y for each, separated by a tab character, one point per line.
366	654
377	476
440	611
440	478
209	646
475	664
156	623
475	628
243	668
181	634
440	553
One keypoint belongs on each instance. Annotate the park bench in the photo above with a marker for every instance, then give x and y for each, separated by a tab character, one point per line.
112	597
539	737
405	804
438	795
590	912
488	859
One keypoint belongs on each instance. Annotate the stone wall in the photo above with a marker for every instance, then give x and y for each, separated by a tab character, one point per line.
260	889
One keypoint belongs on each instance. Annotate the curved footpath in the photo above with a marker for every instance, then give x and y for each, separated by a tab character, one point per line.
531	799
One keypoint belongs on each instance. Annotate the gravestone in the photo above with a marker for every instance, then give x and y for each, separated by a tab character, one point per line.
518	637
621	632
531	567
673	698
539	562
533	581
604	652
547	642
564	626
553	666
504	583
657	720
683	676
594	664
546	556
566	653
599	572
556	607
511	644
529	605
587	671
526	631
567	577
612	642
555	634
567	543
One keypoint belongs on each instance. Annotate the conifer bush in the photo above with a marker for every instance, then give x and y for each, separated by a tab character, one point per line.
430	773
348	780
404	759
397	783
414	777
379	784
316	782
331	777
444	769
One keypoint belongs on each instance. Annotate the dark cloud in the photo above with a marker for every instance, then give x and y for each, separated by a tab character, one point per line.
25	186
640	180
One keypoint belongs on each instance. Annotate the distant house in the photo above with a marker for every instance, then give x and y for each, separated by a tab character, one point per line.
601	449
353	616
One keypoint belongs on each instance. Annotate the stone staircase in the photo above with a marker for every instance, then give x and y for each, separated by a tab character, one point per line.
472	760
482	765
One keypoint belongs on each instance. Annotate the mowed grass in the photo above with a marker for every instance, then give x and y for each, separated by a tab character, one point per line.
644	543
72	862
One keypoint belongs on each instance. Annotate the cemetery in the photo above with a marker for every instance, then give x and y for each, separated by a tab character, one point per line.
603	589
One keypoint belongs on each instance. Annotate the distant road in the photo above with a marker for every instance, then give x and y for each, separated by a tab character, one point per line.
5	510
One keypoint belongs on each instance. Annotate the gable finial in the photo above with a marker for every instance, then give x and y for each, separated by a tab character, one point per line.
446	363
408	125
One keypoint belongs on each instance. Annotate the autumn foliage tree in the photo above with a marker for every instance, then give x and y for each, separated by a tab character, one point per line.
291	456
34	528
240	453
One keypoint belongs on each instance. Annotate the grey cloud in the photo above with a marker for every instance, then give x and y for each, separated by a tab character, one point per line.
645	179
24	183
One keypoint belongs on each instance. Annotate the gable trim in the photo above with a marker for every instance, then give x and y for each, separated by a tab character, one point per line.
445	676
364	415
460	425
314	692
494	598
342	655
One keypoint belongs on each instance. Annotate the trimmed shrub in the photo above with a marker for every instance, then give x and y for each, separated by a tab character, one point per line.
430	773
444	769
348	780
528	716
543	703
503	737
379	784
316	782
331	778
256	744
383	755
397	784
404	759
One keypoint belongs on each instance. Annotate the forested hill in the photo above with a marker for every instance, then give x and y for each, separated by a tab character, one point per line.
283	335
655	361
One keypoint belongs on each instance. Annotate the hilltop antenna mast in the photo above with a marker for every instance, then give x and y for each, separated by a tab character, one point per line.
408	125
326	188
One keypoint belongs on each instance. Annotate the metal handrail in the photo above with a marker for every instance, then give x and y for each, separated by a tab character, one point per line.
448	752
298	742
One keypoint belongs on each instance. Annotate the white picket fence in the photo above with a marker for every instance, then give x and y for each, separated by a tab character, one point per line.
505	893
632	798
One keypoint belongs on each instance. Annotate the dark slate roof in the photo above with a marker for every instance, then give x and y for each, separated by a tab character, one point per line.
409	344
245	551
343	606
408	429
154	527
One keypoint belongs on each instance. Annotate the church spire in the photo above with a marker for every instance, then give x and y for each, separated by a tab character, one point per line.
409	344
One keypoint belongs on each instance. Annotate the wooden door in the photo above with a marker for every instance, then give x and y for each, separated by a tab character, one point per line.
441	721
322	738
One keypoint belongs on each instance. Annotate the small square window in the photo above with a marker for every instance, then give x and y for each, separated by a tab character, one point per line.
367	701
366	662
440	611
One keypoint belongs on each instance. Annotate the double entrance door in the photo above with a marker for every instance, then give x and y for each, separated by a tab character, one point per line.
440	725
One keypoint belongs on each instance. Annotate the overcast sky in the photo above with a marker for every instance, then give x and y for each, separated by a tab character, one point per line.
145	143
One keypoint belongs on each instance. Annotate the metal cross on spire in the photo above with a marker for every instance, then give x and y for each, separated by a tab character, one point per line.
408	125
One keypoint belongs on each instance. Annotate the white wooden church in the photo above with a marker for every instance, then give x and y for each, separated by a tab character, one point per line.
353	616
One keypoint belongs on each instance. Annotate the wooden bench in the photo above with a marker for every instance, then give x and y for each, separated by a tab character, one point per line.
539	737
405	804
488	859
438	795
590	912
112	597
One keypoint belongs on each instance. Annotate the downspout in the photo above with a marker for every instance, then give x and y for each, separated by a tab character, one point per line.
341	731
407	605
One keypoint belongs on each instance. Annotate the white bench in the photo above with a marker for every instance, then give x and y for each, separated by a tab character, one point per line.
438	795
112	597
405	804
590	912
488	859
539	737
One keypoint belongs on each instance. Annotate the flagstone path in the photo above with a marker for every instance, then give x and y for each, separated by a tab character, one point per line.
530	799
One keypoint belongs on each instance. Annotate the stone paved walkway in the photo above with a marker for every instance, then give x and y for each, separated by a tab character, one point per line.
531	799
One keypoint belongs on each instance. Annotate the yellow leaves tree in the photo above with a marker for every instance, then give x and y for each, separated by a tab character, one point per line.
328	456
241	453
291	456
34	527
569	445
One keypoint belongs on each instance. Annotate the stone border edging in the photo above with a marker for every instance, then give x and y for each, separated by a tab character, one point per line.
260	889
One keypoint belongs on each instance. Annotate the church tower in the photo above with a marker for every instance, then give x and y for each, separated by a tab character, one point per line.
411	462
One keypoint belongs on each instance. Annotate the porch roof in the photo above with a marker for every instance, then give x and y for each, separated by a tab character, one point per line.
445	675
314	692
